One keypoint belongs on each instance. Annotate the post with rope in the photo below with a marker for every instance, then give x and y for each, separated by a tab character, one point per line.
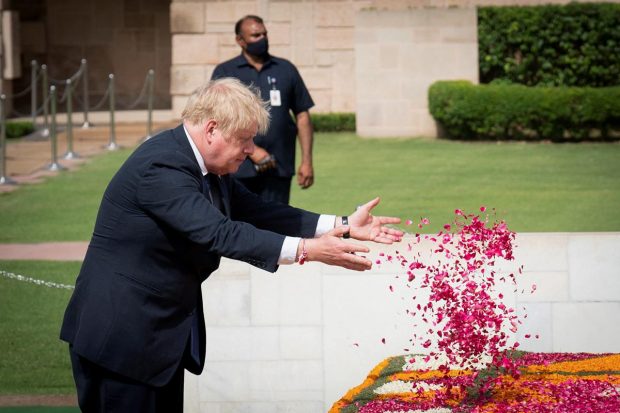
151	87
112	145
4	179
33	92
54	166
86	124
70	154
44	88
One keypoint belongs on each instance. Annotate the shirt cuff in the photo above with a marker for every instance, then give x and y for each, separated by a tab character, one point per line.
326	223
289	250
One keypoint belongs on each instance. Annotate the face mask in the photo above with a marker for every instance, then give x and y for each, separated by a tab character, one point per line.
259	48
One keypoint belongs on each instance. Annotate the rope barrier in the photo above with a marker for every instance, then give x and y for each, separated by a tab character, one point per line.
19	114
20	94
35	281
23	92
69	96
104	99
147	89
65	93
58	82
142	93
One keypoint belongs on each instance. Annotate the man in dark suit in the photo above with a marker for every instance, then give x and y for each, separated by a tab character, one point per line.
135	320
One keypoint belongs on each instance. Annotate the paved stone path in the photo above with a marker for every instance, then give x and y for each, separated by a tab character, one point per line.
47	251
38	400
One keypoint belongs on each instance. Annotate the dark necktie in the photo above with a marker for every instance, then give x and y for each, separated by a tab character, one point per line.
213	191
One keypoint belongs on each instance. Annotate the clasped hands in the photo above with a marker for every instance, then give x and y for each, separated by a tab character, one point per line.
263	161
331	249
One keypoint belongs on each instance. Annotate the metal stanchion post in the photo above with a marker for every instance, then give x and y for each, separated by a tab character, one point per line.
33	92
70	154
86	124
112	146
44	85
4	179
54	166
149	122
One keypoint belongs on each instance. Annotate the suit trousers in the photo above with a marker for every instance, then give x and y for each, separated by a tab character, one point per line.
100	390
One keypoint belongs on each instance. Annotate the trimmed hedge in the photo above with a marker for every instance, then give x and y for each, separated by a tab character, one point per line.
18	129
576	44
496	111
333	122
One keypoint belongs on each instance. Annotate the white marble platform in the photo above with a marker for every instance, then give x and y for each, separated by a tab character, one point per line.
297	340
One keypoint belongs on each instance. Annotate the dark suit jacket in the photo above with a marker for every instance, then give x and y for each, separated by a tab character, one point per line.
156	239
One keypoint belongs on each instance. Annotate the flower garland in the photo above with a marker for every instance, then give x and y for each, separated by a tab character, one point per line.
547	382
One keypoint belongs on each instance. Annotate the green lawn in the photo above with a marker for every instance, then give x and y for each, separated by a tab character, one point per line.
535	187
61	209
34	360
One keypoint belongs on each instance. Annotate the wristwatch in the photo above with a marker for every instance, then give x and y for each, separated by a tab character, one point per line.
345	221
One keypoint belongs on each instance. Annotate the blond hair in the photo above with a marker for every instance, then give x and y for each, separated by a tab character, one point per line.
233	105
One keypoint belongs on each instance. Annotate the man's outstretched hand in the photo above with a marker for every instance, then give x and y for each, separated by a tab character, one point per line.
366	227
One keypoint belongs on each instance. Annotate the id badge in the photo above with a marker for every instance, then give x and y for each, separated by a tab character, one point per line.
274	94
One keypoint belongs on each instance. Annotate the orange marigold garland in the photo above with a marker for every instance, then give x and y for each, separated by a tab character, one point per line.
548	382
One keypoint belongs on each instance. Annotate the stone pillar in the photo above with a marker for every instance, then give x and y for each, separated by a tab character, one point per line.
398	55
9	52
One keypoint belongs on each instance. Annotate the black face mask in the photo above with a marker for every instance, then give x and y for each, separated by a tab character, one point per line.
259	48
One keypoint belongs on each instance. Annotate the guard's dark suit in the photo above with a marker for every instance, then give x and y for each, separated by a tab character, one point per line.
156	239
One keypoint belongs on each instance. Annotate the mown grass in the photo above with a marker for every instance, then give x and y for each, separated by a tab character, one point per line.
536	187
63	208
34	360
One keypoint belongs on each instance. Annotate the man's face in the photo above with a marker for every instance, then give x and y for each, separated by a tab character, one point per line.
251	32
226	153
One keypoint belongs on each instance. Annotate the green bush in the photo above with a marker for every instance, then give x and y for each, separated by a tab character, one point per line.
333	122
553	45
18	129
498	111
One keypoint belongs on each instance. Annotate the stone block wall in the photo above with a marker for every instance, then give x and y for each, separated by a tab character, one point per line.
399	54
317	36
351	56
297	340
